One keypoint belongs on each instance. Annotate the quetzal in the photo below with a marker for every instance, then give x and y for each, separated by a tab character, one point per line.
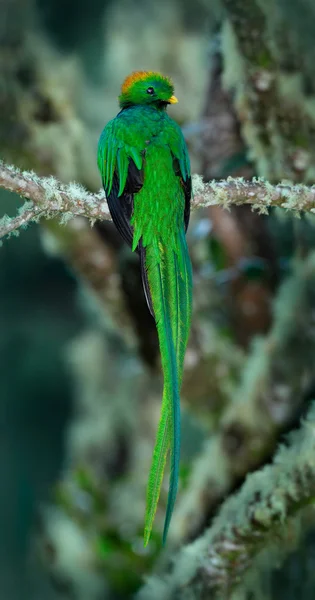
144	164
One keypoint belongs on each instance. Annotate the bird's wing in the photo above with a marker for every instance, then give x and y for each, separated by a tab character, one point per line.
121	167
187	190
181	164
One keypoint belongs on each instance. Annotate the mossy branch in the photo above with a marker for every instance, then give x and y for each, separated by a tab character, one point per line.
247	523
28	212
50	197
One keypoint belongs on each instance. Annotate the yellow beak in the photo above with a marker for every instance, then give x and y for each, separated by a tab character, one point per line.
173	100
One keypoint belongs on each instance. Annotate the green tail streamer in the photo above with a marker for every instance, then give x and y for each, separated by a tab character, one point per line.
170	280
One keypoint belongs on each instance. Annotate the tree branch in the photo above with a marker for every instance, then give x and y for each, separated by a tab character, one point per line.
8	225
260	194
51	197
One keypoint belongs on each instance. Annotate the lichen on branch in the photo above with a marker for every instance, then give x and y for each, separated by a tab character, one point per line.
50	197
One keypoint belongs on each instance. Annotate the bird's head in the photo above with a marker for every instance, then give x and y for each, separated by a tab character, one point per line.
147	88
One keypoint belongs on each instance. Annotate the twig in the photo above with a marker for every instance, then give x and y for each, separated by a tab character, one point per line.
67	201
8	225
260	194
247	523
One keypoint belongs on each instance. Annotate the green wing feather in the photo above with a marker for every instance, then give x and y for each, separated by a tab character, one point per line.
114	154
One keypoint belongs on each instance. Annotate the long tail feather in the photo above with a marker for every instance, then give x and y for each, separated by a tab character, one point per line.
181	301
144	276
169	277
162	446
170	415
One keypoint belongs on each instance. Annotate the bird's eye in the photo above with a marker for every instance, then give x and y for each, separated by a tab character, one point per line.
150	90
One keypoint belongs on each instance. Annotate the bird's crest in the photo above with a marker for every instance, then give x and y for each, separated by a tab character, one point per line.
142	76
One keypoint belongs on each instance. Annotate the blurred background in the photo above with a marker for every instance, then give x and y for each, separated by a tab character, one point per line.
79	371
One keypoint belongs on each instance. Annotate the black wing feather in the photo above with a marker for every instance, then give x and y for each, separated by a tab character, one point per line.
187	190
121	207
121	210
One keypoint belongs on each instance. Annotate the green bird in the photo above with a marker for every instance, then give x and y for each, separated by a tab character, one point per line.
145	169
